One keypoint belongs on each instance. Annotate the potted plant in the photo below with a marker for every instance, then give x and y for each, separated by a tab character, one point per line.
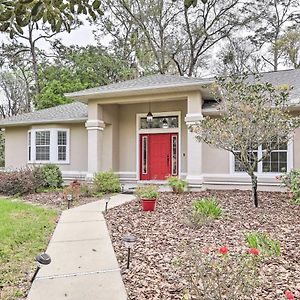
148	195
176	184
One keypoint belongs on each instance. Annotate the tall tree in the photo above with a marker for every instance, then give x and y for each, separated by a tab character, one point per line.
238	56
14	15
173	37
14	99
290	47
77	68
254	113
271	18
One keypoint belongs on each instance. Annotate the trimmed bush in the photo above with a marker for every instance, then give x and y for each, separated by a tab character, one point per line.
106	182
263	242
52	176
21	182
206	209
176	184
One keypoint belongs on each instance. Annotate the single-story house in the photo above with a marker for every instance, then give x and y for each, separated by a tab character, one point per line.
106	129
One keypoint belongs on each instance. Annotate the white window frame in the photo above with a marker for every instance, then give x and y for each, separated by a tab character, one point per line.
53	146
290	162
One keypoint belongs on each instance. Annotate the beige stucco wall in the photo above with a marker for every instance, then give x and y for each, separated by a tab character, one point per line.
128	133
215	161
296	149
16	146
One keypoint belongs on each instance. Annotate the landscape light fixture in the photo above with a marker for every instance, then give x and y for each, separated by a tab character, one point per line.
106	203
149	115
129	241
69	198
41	260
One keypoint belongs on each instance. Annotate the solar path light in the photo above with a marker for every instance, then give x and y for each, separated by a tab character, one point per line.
69	198
41	260
106	203
129	241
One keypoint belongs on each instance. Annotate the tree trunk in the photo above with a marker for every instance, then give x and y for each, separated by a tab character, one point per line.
254	189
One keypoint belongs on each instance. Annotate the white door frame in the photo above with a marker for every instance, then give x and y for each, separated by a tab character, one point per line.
155	131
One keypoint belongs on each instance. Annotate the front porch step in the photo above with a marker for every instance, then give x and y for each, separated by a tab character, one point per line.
129	188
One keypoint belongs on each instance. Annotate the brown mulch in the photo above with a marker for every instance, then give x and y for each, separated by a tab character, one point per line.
56	200
162	233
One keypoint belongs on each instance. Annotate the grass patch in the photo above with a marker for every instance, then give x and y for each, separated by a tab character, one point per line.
24	232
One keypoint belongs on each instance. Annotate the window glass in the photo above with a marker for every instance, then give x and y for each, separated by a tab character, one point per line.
29	146
277	160
160	122
145	154
238	167
62	145
42	143
174	155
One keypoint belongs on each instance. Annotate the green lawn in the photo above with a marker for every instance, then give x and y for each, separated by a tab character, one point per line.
24	232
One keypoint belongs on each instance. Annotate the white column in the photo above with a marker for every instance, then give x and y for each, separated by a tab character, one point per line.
95	128
194	148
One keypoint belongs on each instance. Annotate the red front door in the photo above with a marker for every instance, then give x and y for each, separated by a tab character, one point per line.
158	156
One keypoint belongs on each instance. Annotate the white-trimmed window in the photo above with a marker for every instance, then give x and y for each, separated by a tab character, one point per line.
280	159
48	146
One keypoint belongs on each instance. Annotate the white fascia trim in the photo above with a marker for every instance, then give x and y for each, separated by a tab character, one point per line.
27	123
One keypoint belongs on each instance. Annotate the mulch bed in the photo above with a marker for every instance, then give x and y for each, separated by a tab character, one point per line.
56	200
162	234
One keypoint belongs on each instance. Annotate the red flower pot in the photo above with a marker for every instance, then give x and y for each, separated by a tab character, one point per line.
148	204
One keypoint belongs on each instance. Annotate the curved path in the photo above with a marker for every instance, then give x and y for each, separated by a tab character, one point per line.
84	265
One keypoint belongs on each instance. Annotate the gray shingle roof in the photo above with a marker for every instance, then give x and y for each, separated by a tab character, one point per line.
75	111
143	83
289	77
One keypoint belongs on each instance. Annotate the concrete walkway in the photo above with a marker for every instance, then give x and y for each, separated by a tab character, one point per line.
84	265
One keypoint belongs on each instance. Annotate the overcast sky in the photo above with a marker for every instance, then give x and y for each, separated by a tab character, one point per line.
82	36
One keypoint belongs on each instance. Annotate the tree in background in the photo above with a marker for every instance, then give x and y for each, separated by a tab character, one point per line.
254	113
168	36
15	15
77	68
290	47
14	98
271	18
238	56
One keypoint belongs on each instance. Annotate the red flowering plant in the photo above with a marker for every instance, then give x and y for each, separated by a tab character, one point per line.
221	273
289	295
291	181
73	188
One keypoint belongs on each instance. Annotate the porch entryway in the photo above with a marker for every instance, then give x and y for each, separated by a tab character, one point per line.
158	155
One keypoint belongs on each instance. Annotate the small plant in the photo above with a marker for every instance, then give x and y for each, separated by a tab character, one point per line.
263	242
220	274
73	188
85	190
176	184
147	192
51	175
292	182
106	182
206	209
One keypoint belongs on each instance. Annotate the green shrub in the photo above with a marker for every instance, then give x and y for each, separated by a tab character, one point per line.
263	242
147	192
106	182
51	175
176	184
206	209
21	182
292	182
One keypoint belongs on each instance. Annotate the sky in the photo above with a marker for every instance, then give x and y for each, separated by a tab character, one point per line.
82	36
